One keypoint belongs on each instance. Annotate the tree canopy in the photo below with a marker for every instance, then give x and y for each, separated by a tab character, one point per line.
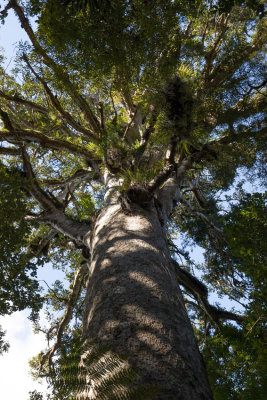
146	93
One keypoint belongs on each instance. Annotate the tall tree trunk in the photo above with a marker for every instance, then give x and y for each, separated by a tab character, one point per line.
135	306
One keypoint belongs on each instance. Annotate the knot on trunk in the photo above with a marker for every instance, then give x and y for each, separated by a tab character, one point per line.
136	195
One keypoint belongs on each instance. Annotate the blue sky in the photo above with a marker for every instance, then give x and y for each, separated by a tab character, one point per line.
10	34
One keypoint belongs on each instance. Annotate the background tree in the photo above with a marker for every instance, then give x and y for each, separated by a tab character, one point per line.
128	126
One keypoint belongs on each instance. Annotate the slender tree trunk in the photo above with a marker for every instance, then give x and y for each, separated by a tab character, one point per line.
135	306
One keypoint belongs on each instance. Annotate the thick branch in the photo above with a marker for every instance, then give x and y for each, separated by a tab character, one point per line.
150	124
53	214
18	121
6	120
79	174
198	195
225	69
66	193
214	147
17	99
169	193
125	93
243	109
186	33
130	123
45	141
200	292
145	136
76	230
10	151
162	176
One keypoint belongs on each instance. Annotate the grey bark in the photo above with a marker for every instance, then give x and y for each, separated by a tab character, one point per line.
134	305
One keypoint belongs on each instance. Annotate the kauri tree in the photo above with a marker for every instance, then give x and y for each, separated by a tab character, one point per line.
125	124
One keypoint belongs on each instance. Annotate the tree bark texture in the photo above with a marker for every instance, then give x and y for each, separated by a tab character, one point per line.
135	306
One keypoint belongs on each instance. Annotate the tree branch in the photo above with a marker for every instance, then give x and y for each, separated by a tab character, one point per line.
79	174
19	100
42	244
198	214
62	223
244	108
167	194
53	214
225	69
200	292
114	121
9	151
28	135
125	93
74	294
145	136
68	117
60	73
6	120
48	203
212	53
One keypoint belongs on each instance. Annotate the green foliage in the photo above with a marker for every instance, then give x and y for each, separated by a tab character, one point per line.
235	357
18	288
246	230
85	207
34	395
236	361
222	6
4	346
226	5
139	175
123	35
248	243
200	66
85	367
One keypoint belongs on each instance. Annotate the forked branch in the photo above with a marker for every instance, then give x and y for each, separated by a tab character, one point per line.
46	201
53	214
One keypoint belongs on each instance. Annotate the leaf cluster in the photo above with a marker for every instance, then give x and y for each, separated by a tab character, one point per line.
19	288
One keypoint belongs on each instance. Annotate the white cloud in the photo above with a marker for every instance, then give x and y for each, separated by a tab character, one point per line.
16	381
